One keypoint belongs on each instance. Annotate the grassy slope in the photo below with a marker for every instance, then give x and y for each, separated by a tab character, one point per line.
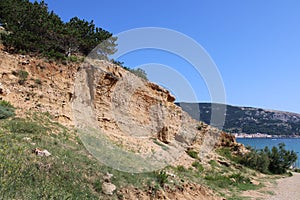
72	173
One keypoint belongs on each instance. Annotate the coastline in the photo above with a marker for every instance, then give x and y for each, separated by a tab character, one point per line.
265	136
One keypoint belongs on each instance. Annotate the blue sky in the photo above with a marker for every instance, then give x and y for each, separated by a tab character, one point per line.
255	44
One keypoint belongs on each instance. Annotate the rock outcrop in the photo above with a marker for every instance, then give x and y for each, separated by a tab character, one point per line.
47	88
134	114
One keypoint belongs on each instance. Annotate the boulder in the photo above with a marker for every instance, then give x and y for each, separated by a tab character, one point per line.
108	188
254	182
40	152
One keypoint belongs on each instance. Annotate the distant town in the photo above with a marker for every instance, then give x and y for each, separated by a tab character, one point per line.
262	135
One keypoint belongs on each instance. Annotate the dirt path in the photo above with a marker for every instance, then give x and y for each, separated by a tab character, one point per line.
284	189
287	188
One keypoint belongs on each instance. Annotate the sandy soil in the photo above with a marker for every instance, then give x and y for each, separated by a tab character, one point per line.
287	188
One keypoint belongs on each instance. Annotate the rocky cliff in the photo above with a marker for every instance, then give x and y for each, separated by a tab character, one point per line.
134	114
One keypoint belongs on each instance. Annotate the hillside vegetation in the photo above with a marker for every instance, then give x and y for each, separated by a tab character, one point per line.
248	120
70	172
32	28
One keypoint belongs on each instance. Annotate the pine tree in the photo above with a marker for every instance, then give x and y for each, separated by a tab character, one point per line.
36	30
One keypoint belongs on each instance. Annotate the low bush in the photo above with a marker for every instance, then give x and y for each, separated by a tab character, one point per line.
198	166
6	110
162	178
22	74
193	154
275	161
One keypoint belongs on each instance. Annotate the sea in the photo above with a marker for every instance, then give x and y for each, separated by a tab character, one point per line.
260	143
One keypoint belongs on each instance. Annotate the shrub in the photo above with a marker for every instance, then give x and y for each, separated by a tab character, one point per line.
276	161
73	58
257	160
181	168
162	178
198	166
213	163
138	72
218	180
6	110
38	81
192	153
239	178
23	75
280	159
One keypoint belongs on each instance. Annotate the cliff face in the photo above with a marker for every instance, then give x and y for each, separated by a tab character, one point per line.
137	115
47	87
134	114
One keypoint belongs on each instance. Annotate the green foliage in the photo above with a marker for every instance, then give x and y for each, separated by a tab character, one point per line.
236	180
22	75
3	32
276	161
22	126
226	152
38	81
281	159
257	160
198	166
162	178
218	180
213	163
73	58
69	173
34	29
193	154
181	168
138	72
6	110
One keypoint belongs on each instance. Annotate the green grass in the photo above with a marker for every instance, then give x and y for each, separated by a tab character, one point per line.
197	165
72	173
213	163
192	154
69	173
227	153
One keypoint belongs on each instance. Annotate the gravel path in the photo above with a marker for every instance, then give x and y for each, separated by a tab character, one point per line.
287	188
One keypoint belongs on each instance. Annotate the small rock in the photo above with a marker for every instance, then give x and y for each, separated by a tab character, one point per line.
27	139
40	152
108	188
170	174
46	153
254	182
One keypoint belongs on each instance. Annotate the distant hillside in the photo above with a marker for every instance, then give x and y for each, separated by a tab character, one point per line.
248	120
